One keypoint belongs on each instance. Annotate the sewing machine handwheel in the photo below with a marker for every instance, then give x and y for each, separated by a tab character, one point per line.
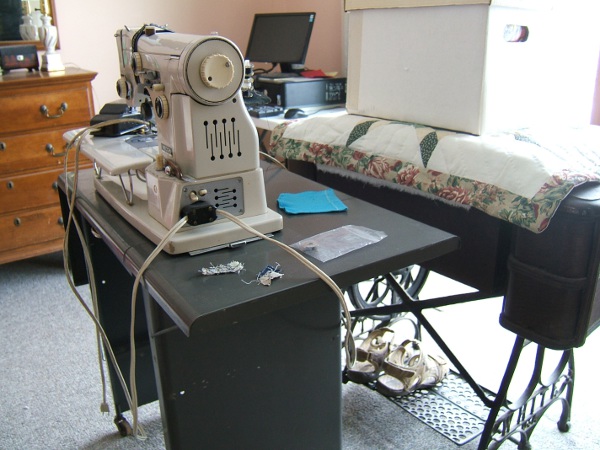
371	293
411	278
377	292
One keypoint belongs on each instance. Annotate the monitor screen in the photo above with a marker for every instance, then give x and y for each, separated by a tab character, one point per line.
280	38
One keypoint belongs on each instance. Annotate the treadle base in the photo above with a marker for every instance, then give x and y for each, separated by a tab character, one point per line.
451	408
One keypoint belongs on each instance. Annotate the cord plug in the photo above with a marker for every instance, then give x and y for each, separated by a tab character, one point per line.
199	212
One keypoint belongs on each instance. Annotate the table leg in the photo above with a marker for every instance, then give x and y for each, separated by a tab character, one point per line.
515	421
113	289
270	382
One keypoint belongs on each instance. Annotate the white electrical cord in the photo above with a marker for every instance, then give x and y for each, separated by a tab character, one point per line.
101	334
132	398
349	345
132	382
273	159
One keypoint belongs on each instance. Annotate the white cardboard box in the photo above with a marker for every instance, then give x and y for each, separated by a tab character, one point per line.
449	65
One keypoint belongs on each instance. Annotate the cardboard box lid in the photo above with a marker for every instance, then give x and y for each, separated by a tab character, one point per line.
378	4
351	5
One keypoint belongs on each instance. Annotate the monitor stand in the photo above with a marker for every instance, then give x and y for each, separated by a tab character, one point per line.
277	75
287	71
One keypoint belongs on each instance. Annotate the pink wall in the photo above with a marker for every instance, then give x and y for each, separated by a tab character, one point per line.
87	29
596	107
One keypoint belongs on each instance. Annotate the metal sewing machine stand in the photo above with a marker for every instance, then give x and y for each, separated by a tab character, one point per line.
514	421
521	416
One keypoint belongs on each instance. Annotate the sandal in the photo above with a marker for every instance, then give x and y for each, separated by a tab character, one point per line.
370	355
409	368
400	366
435	370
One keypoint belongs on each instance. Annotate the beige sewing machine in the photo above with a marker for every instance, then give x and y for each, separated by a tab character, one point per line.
205	157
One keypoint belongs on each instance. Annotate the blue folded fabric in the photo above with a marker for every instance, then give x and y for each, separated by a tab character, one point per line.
310	202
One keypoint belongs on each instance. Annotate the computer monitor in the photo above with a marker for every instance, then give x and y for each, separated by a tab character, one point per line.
280	38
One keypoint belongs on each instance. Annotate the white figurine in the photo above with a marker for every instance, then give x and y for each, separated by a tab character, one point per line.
27	29
51	61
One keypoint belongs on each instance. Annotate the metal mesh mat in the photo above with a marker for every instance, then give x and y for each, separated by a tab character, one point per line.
451	408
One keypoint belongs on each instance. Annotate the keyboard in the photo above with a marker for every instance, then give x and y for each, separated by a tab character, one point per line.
260	111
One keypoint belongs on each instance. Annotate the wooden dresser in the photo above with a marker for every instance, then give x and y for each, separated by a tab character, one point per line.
36	108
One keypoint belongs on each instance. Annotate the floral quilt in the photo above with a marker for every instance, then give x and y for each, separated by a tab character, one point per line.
519	176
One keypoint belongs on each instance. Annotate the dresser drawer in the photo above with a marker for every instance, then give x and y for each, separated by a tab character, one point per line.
21	152
32	227
28	191
21	111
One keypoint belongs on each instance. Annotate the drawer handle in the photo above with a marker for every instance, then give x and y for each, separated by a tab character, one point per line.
55	186
17	221
10	185
50	149
61	110
2	146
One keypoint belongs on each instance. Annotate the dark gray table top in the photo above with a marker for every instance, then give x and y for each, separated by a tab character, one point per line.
201	303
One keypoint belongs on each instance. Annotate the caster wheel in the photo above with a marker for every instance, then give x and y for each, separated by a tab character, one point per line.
123	426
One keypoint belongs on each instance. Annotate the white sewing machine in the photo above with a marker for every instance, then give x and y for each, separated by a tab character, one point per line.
206	155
